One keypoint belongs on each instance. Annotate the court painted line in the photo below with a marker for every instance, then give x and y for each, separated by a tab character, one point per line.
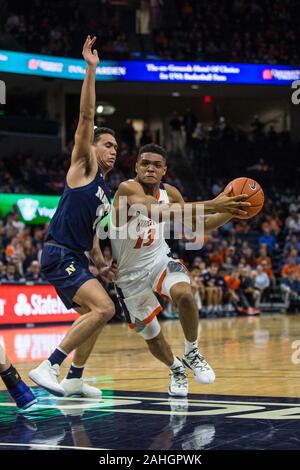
130	399
12	444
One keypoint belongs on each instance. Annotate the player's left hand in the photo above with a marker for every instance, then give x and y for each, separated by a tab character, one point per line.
91	57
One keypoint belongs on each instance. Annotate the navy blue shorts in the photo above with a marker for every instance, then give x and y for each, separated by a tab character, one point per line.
66	270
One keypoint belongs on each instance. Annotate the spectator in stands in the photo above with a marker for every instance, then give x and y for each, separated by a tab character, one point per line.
197	287
14	251
227	266
263	256
293	257
12	274
30	253
290	267
274	223
269	272
215	287
250	259
233	283
248	295
262	281
142	24
292	242
290	287
33	273
232	253
292	222
268	239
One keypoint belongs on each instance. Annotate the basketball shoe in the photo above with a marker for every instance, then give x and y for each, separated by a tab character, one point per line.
45	375
78	387
201	369
178	382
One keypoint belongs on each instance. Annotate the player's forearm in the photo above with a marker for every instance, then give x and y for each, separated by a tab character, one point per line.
88	94
96	254
212	222
188	210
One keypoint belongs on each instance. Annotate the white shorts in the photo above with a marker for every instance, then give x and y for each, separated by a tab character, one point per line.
136	295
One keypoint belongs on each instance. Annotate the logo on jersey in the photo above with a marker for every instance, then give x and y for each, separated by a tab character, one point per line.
102	210
71	268
253	186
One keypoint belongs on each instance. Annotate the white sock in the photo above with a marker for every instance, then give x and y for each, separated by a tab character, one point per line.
188	346
176	363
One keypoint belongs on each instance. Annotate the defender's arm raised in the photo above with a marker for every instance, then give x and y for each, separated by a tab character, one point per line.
82	154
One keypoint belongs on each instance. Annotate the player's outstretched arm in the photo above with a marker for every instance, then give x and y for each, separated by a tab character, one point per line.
135	196
81	154
225	206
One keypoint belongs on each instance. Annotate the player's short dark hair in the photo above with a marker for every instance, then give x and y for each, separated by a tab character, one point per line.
153	148
98	131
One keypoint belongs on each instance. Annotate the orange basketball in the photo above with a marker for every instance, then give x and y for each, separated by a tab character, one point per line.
254	191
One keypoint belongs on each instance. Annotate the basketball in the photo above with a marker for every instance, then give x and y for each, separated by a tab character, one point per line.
254	191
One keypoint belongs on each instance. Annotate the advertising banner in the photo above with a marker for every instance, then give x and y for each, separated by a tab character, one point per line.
150	71
20	304
33	208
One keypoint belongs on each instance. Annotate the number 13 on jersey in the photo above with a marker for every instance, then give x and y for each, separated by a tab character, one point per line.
141	241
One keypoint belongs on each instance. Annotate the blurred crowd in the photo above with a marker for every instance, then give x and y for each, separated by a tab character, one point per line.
208	30
237	269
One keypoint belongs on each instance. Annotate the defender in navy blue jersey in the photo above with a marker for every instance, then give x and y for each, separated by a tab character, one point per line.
85	201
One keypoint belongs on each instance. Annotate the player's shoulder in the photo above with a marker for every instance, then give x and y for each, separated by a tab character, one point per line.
129	187
173	193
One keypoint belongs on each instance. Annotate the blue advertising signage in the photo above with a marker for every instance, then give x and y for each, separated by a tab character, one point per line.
150	71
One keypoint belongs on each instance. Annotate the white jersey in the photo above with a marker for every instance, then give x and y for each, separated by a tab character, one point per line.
139	244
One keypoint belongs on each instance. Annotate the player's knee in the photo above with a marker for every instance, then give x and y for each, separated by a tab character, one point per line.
184	295
109	311
151	330
105	311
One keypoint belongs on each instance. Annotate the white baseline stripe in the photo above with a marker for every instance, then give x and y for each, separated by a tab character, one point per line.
12	444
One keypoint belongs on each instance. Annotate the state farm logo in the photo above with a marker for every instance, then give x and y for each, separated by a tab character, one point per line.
267	74
39	305
2	305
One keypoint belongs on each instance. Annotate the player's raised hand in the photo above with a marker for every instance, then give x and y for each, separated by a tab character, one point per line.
91	57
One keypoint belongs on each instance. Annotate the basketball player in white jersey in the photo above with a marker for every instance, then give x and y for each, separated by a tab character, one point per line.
146	267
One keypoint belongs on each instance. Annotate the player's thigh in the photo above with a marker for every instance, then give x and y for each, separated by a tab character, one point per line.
92	296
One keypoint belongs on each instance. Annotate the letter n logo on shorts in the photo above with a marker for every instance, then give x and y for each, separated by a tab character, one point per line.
70	269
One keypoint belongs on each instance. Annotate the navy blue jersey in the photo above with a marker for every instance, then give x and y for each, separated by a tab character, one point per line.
78	214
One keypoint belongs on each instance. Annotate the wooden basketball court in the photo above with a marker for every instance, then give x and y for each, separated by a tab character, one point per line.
257	365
